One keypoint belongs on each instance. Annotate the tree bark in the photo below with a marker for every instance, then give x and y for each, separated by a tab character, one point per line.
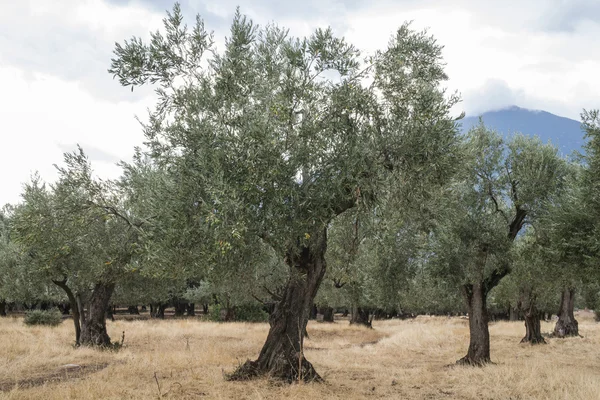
566	325
533	330
110	313
93	330
2	308
479	343
205	309
360	316
282	355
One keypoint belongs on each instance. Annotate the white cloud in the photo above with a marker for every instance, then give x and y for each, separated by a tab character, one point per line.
56	92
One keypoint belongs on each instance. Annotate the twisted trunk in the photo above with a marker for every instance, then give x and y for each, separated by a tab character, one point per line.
282	354
479	343
93	329
566	325
533	330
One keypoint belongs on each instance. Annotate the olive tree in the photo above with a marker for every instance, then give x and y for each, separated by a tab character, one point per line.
80	235
275	136
502	188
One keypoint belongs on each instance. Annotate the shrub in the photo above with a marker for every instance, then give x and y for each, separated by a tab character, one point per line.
51	317
250	313
245	312
214	313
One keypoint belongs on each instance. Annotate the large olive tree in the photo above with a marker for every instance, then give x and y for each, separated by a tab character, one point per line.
274	136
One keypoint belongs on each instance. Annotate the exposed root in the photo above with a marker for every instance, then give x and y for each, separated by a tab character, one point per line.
283	371
533	341
466	360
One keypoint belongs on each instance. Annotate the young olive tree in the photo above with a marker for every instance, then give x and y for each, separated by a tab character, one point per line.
502	188
79	234
275	136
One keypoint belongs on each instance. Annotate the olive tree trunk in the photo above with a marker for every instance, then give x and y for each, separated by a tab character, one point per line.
2	308
479	343
328	315
361	316
566	325
74	308
93	328
532	316
282	354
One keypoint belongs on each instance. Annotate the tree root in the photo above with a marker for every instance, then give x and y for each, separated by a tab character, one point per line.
533	341
283	371
466	360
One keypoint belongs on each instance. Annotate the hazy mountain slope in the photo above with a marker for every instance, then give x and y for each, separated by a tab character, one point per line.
565	133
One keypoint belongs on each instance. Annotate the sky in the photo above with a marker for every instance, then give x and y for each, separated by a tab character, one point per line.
55	91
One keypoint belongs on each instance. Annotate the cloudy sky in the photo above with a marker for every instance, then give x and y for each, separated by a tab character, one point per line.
55	91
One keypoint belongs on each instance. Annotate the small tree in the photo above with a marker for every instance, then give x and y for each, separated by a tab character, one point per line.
79	234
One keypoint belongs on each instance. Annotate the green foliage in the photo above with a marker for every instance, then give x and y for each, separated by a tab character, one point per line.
503	187
247	312
250	312
79	230
274	137
51	317
214	313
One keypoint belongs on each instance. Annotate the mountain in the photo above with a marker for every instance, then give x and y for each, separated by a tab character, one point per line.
563	132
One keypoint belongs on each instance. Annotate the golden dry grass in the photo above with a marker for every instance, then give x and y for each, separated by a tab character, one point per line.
397	359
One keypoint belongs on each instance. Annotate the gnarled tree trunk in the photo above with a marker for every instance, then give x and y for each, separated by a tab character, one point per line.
93	329
479	343
361	316
533	330
282	354
566	325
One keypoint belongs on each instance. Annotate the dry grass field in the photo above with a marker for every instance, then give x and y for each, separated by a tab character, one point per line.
396	360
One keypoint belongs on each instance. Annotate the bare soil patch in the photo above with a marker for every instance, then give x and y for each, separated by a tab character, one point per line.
63	373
